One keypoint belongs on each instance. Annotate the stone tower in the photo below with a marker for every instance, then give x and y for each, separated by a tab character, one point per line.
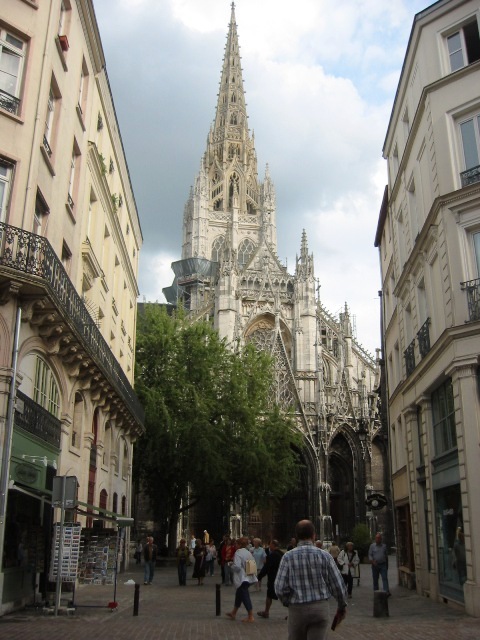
230	273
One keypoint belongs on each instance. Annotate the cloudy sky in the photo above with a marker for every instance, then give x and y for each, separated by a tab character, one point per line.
320	78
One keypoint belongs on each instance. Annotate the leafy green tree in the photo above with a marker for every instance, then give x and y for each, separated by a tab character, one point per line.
208	421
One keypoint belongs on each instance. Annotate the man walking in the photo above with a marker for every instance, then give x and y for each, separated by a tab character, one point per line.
270	569
150	557
378	556
306	579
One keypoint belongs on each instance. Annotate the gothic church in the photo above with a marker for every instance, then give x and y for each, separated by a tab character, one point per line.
230	273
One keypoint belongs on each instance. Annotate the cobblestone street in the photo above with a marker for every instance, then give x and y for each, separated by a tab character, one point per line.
169	611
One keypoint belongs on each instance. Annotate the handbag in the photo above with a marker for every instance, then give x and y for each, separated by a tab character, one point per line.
250	567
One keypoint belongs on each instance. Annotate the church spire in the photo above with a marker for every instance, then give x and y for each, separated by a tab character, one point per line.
231	115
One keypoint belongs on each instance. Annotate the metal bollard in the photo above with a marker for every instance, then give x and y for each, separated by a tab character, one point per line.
217	600
136	599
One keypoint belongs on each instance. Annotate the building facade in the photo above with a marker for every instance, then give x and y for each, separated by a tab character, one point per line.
429	241
230	273
69	247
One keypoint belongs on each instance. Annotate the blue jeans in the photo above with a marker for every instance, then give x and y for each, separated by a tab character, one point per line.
149	571
242	595
209	567
380	570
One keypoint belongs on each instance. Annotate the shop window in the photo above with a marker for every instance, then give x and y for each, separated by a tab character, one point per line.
450	541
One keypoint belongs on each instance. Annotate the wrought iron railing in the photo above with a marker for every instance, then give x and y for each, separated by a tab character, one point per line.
47	146
29	253
423	337
33	418
472	287
470	176
409	355
8	102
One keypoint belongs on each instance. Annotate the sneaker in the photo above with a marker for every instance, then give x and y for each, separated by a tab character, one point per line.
145	583
262	614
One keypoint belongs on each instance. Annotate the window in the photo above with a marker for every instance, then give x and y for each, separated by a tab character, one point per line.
476	248
464	46
443	410
78	413
45	390
6	171
82	91
51	118
72	183
40	217
66	257
12	57
470	130
245	251
412	206
217	248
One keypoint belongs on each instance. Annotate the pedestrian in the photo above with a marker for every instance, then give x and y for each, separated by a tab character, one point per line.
241	580
319	544
228	553
347	562
334	551
270	569
378	556
258	552
182	555
199	554
138	552
150	558
221	555
292	545
210	557
306	579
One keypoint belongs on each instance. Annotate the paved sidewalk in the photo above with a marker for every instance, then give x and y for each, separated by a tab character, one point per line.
188	613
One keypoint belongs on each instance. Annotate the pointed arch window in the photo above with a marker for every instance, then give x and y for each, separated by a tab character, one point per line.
103	499
233	149
233	97
217	248
125	460
245	251
234	118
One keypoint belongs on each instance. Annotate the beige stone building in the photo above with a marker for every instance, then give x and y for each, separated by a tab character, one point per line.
69	248
429	241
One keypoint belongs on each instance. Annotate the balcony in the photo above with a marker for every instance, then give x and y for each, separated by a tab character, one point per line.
472	287
470	176
9	103
34	419
423	337
29	258
409	355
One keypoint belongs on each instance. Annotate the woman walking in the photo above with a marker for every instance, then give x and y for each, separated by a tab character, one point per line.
199	567
242	581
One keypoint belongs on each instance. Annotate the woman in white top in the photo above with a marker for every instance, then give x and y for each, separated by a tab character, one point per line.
347	561
241	581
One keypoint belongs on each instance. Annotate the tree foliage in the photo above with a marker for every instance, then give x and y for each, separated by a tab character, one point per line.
208	421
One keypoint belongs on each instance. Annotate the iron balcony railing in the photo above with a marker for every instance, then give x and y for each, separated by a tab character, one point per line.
472	287
8	102
409	355
34	419
470	176
29	253
423	337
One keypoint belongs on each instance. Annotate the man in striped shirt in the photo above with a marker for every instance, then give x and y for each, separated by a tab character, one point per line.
306	579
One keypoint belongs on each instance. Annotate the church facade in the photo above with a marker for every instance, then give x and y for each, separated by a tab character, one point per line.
230	274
